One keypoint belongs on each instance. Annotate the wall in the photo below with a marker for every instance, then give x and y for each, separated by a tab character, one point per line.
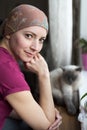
7	5
83	19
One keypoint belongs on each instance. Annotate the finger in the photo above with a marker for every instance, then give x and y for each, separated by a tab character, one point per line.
32	61
57	113
56	124
38	55
55	127
58	116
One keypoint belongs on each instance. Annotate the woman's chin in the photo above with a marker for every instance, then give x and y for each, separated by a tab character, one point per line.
26	60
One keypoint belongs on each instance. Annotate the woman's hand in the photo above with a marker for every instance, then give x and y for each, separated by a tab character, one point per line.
37	65
57	122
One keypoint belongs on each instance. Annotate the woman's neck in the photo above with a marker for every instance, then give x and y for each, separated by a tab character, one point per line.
5	44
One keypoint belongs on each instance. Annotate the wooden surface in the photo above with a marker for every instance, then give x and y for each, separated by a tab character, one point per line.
69	122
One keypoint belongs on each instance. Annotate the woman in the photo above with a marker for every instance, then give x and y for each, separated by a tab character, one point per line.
24	32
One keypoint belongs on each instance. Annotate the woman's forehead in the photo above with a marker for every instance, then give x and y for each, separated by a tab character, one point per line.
35	30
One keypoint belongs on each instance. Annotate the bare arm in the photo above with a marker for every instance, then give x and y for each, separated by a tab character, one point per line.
46	100
26	107
38	116
39	66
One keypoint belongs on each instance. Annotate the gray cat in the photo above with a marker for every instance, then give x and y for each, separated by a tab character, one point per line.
65	83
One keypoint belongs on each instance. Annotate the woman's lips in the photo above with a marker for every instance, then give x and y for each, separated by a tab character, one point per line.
29	54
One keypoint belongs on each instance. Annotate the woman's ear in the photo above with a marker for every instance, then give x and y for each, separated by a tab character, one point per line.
7	37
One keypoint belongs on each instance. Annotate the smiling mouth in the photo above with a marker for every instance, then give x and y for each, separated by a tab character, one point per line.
29	54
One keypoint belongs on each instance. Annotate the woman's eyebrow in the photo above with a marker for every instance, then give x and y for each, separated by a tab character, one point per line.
35	34
30	32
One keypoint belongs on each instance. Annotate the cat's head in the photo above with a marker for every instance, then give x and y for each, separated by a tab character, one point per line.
71	73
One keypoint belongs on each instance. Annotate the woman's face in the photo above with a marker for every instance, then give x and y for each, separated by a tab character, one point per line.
26	43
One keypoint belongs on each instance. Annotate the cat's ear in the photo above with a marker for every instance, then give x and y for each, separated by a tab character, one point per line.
79	69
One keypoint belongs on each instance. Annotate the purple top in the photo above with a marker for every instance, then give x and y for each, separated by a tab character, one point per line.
11	80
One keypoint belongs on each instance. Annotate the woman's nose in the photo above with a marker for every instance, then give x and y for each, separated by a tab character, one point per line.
35	45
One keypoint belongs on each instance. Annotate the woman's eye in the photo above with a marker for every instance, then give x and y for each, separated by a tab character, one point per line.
29	36
42	40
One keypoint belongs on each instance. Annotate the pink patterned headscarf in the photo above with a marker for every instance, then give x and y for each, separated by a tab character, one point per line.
24	16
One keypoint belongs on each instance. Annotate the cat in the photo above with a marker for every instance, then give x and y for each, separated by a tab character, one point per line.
65	82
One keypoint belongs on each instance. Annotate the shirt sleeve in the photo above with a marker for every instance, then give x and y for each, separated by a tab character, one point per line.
12	80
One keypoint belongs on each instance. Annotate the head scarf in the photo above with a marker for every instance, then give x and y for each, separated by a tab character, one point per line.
24	16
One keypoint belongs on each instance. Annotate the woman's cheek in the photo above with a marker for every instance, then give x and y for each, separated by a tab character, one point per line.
40	48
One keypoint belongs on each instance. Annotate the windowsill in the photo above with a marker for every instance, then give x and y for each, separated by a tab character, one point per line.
83	115
83	88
